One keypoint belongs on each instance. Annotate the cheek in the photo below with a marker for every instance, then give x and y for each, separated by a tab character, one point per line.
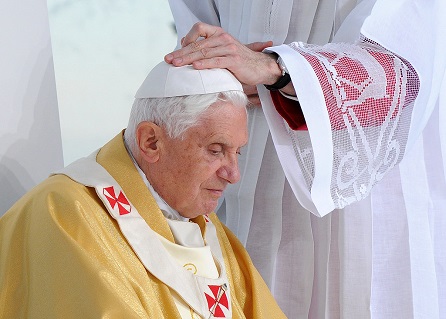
197	179
191	173
185	178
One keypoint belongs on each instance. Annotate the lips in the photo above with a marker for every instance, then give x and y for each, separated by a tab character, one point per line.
216	192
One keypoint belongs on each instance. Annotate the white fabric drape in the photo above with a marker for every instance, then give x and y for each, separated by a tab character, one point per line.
30	137
382	256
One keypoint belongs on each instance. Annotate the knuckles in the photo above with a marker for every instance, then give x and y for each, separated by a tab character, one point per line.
205	30
232	48
204	52
237	59
226	37
217	61
194	46
198	26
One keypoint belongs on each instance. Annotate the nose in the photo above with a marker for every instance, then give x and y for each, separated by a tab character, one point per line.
229	169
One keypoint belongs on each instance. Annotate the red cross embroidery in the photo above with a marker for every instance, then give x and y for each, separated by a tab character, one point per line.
217	300
123	204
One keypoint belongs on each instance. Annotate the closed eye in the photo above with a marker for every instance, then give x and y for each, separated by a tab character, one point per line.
215	152
220	149
216	149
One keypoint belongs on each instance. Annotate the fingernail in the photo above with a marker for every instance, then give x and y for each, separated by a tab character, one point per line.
169	57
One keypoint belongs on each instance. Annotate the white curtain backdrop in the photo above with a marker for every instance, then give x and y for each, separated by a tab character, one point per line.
30	139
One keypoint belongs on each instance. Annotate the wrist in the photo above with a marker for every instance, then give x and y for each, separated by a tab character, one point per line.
280	77
274	72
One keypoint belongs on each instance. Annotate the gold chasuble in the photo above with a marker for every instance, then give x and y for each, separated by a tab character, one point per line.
71	249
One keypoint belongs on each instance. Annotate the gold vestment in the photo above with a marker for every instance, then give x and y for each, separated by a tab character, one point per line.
63	256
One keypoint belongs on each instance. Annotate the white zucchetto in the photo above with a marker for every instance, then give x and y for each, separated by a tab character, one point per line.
166	80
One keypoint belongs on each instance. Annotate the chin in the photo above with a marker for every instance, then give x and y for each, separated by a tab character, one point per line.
208	209
213	207
203	209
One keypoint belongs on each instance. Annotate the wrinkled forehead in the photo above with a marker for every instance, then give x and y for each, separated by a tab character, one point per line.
223	119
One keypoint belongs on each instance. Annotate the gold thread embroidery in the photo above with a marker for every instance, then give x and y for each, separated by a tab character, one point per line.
191	267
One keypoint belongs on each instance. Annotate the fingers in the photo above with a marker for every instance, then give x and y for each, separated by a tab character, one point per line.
195	44
259	46
252	94
200	30
207	46
186	55
197	55
207	53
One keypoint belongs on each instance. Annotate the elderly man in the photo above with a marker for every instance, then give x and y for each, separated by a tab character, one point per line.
129	232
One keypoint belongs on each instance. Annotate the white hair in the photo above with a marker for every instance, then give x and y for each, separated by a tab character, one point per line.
175	114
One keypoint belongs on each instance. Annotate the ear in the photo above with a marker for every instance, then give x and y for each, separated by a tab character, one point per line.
147	137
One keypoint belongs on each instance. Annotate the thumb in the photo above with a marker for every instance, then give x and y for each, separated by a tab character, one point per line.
259	46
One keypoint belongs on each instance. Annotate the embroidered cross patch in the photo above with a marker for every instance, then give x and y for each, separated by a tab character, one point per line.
122	202
217	302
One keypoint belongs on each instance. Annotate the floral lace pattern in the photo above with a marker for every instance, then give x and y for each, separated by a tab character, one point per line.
369	94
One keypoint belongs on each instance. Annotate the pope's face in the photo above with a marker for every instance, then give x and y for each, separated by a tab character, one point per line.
193	172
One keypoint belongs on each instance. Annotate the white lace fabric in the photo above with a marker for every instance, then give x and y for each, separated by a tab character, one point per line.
369	94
